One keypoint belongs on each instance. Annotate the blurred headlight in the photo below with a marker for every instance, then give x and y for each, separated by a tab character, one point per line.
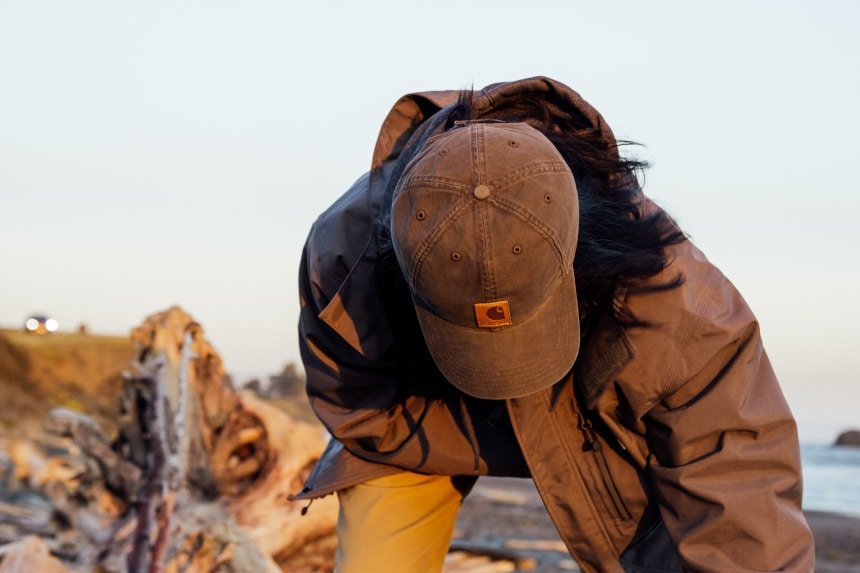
32	324
52	325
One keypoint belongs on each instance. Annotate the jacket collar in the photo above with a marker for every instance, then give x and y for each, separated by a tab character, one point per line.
605	352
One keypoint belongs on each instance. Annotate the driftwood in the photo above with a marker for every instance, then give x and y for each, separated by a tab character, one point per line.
120	475
30	555
196	479
255	454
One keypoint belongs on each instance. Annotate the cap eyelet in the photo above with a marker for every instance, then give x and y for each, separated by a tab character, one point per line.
547	198
443	151
513	143
420	215
517	249
455	256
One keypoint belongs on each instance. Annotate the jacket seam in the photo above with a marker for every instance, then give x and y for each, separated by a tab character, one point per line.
688	335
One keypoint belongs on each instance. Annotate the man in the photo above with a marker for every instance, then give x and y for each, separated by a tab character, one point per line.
497	297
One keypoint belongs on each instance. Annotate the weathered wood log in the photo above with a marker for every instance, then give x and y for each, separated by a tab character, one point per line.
121	475
248	453
196	480
163	432
273	522
195	384
28	556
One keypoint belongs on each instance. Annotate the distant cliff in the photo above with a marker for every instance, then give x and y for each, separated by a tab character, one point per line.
38	372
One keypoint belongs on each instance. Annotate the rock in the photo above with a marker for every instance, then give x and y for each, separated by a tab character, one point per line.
849	438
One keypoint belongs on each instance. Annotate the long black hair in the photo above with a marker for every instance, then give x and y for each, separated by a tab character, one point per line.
619	246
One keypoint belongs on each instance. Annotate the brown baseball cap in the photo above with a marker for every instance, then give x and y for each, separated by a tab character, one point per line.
485	221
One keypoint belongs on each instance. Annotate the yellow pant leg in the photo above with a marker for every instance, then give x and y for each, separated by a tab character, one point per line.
400	523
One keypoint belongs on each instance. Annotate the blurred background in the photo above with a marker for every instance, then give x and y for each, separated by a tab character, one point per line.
177	153
167	153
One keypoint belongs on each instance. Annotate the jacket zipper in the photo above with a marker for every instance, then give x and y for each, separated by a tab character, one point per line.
596	448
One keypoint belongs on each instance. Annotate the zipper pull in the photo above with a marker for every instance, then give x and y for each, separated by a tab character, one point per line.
305	508
593	444
585	425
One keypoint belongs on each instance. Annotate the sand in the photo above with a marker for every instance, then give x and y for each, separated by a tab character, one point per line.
508	513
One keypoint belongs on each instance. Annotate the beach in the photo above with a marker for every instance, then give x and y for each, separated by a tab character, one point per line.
507	513
502	517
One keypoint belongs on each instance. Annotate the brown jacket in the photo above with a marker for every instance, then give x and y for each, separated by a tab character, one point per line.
668	447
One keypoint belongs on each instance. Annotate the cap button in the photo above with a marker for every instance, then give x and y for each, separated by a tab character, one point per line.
481	192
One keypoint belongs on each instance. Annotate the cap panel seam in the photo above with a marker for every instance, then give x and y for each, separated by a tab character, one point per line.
527	217
428	243
480	245
480	167
531	169
488	288
434	182
476	132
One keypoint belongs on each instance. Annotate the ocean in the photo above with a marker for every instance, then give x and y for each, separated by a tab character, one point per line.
831	478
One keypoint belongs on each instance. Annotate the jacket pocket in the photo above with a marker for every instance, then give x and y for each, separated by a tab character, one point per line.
594	450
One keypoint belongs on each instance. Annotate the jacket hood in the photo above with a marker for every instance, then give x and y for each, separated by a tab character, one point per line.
412	116
413	110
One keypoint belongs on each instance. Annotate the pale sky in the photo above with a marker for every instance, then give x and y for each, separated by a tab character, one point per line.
154	153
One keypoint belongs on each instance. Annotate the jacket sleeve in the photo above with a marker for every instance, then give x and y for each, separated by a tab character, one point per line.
370	406
726	464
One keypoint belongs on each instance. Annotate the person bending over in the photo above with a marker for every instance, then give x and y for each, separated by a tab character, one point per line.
497	296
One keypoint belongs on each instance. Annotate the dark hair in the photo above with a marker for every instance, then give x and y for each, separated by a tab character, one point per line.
619	246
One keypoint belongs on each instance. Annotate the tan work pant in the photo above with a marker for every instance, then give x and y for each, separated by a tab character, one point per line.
400	523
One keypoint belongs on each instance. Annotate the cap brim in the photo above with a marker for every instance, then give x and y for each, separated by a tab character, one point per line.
513	361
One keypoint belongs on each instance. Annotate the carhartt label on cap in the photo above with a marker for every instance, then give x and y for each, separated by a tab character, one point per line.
493	314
